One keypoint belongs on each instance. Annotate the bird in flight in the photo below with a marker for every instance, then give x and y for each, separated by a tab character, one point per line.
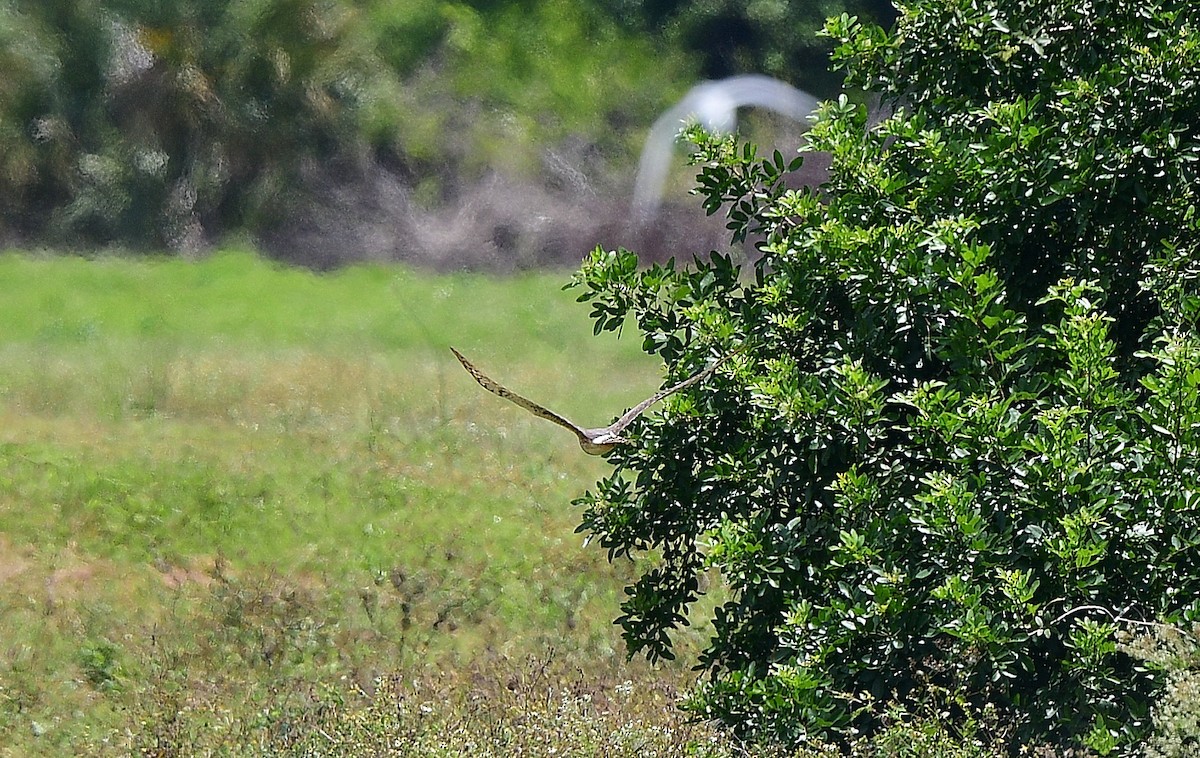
714	104
593	441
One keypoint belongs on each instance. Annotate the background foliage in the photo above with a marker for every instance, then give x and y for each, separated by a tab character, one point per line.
960	449
736	36
158	125
151	124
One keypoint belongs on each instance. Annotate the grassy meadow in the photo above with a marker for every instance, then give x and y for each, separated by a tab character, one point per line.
247	509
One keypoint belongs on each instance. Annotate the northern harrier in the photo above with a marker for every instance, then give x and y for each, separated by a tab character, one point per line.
593	441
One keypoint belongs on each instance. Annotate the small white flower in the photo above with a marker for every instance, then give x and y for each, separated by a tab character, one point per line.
151	162
129	56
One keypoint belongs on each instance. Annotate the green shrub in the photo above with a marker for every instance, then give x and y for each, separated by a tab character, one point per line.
964	438
101	665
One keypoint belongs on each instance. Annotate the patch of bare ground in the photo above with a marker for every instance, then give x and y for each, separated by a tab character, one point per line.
200	572
12	563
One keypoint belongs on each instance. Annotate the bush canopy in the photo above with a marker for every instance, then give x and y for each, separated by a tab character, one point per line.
960	447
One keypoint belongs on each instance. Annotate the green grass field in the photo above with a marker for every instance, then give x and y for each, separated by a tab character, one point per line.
249	510
232	494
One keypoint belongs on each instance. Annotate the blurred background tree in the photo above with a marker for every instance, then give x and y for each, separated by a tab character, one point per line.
773	37
157	125
147	124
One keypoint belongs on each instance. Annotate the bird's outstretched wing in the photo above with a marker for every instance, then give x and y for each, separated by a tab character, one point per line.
620	424
504	392
714	105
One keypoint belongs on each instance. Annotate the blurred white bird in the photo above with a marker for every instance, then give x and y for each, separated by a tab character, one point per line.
714	105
